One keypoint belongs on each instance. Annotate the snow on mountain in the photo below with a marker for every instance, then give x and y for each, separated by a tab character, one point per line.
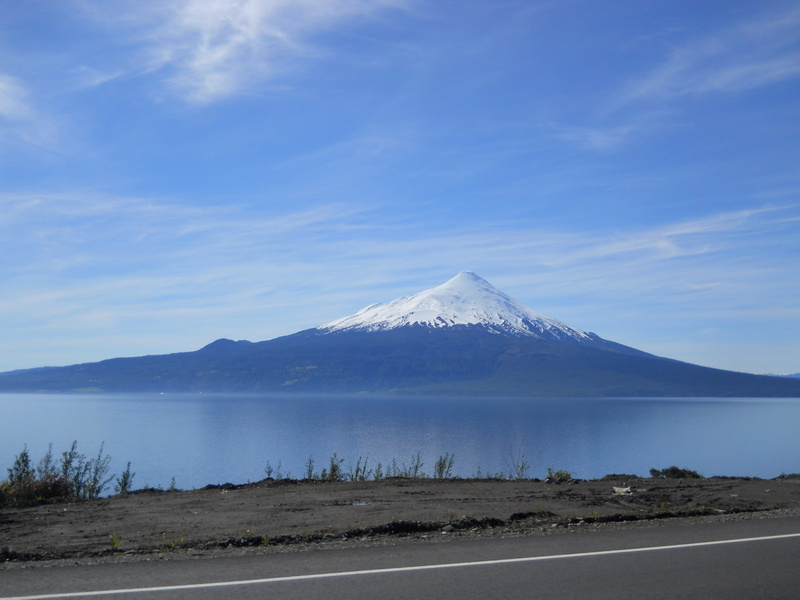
466	299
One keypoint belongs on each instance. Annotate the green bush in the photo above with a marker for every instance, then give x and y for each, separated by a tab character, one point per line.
310	474
74	477
125	481
334	470
360	472
414	470
674	472
443	467
5	493
558	476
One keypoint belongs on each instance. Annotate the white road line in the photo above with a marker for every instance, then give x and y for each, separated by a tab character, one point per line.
479	563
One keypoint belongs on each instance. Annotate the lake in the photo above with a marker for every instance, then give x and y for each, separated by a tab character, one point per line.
216	438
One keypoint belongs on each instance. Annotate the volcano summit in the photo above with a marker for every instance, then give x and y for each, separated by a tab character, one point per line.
466	299
462	337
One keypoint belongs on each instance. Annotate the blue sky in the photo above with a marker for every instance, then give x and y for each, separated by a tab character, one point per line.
178	171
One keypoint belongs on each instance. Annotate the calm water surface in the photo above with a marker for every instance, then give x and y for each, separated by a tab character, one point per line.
201	438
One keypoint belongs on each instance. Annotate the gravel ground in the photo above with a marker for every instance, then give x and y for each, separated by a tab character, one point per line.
274	516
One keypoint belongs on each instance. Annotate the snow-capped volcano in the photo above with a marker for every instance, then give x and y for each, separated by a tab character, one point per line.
466	299
463	337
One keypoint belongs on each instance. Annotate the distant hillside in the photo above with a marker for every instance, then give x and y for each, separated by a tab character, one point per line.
413	360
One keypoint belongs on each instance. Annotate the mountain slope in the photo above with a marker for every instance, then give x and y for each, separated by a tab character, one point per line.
463	337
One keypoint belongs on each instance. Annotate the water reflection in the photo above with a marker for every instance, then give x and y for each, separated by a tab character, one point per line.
199	439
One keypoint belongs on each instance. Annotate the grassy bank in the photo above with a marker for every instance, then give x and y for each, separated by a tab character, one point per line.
72	475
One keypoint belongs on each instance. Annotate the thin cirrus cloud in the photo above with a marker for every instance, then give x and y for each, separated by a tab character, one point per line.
20	121
207	50
80	239
13	99
749	56
85	219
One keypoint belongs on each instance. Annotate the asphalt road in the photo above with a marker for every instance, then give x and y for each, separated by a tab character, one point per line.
754	558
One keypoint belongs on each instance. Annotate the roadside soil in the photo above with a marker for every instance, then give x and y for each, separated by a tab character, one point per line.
277	515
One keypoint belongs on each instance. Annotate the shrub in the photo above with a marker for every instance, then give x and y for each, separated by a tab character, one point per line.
519	466
125	481
19	487
557	476
674	472
114	541
334	470
360	472
98	478
74	478
443	467
50	487
5	493
21	473
414	471
310	469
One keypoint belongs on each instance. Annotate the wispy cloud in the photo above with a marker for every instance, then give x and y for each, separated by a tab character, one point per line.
751	55
88	77
211	49
13	99
754	54
19	119
611	131
134	248
341	235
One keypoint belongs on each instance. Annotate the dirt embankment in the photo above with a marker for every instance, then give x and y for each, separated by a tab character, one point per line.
282	514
